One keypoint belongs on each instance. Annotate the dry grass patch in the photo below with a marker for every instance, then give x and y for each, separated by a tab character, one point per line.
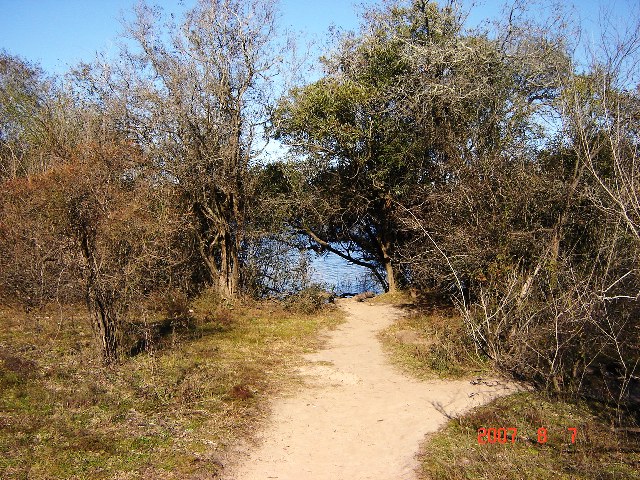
599	451
170	412
433	345
400	298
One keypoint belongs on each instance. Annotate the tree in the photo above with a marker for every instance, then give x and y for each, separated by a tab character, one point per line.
126	231
485	101
402	106
25	119
194	97
39	126
89	229
540	240
362	153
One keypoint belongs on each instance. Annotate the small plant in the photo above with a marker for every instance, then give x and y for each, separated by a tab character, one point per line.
309	300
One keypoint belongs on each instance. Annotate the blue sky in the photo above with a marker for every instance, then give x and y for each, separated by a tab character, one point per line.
60	33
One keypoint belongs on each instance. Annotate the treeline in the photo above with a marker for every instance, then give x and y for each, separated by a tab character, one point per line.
495	167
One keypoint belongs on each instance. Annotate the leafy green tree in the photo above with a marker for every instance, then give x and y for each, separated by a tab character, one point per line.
401	106
364	155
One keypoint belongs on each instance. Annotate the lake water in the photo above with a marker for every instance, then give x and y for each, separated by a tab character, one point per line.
336	274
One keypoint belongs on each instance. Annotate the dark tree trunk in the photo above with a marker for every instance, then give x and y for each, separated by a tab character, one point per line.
218	245
99	301
392	284
106	326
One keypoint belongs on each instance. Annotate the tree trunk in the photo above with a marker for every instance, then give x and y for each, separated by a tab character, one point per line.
99	302
106	326
392	283
228	274
218	247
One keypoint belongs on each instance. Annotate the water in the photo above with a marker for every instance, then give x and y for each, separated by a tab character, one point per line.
284	268
342	277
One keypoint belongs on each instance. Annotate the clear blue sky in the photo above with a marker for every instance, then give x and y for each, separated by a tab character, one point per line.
58	34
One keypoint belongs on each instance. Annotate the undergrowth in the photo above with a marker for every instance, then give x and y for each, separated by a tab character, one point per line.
433	345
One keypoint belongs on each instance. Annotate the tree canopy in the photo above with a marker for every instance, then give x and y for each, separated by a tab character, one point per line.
490	168
401	106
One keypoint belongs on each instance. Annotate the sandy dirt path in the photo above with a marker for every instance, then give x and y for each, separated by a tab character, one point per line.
357	417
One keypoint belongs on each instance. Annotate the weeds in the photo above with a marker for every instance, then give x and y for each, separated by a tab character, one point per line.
432	345
309	300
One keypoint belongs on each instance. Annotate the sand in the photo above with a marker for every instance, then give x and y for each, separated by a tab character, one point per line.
357	417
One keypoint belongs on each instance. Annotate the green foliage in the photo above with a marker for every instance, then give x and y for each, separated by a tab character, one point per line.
402	106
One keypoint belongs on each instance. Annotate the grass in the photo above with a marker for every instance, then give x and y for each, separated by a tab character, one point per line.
401	298
433	345
599	452
170	412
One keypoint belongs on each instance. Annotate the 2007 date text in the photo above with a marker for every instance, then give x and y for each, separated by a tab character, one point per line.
509	435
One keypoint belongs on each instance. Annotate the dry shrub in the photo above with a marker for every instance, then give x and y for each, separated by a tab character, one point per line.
39	263
563	336
308	301
92	228
213	312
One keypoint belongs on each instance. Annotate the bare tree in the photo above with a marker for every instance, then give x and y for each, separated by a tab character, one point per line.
33	119
194	96
125	228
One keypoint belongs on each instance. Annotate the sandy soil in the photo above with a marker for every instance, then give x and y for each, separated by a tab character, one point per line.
358	417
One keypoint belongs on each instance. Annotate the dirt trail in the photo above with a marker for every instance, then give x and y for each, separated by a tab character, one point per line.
358	417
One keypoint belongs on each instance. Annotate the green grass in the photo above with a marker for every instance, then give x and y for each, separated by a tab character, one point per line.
170	412
599	452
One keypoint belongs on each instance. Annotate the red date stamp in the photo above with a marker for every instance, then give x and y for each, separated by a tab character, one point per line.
509	435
